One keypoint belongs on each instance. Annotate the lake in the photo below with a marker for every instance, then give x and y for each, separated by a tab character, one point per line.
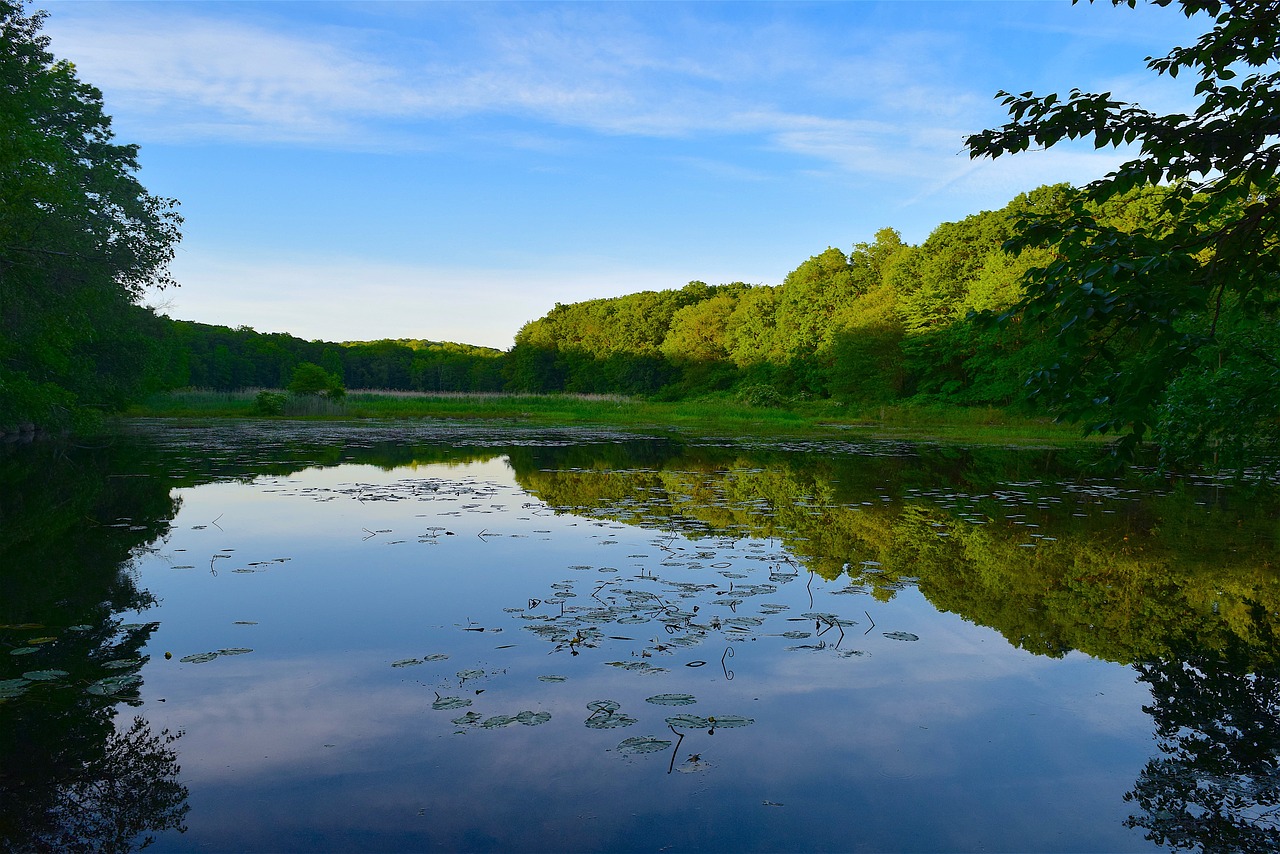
251	636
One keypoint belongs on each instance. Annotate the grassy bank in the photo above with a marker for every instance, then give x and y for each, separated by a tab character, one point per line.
709	416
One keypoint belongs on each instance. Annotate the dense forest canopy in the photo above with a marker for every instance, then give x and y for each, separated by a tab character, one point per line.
885	321
80	239
1168	321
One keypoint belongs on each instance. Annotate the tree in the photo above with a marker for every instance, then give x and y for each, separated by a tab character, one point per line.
1132	309
310	378
80	238
1216	787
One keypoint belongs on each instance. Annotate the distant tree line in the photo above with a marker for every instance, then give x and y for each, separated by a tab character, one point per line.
218	357
886	322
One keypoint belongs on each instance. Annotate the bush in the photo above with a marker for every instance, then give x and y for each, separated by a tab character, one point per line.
309	378
761	395
269	403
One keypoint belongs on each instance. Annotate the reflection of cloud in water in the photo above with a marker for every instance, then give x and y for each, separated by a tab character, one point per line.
287	504
957	720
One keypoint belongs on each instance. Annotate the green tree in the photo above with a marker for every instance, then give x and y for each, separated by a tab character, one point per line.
80	238
310	378
1133	309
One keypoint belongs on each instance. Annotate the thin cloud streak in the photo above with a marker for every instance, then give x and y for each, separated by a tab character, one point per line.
191	79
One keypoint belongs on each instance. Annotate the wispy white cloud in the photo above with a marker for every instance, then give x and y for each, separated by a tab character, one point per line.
183	76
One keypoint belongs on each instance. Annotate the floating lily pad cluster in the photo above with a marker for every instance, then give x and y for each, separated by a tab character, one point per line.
662	615
410	662
525	718
202	657
57	659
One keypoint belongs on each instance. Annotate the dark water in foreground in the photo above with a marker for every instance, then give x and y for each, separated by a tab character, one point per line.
394	638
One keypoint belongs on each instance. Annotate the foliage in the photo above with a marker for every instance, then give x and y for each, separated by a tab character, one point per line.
70	778
880	323
310	378
1132	306
1217	786
269	403
760	395
1118	577
219	357
80	240
1224	407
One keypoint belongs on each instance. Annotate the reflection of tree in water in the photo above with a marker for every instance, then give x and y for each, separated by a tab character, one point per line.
70	778
1217	786
126	786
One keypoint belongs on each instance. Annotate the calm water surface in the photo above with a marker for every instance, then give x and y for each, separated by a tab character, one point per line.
263	637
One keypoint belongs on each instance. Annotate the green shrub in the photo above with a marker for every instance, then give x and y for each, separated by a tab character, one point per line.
309	378
269	403
761	395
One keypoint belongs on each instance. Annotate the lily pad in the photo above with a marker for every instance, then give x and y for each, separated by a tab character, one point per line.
10	688
497	721
406	662
199	657
24	650
672	699
529	718
235	650
638	666
44	675
470	674
552	678
901	636
613	721
114	684
642	744
689	721
604	705
449	703
469	719
435	656
729	721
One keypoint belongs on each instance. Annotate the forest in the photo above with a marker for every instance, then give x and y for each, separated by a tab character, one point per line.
1142	305
886	322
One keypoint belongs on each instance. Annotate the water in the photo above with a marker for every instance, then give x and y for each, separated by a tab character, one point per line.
391	637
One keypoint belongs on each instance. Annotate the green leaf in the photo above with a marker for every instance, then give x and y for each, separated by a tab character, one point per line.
642	744
449	703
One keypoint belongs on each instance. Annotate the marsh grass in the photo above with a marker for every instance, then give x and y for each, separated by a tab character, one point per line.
722	415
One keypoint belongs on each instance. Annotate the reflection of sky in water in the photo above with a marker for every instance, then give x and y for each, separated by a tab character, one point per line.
314	741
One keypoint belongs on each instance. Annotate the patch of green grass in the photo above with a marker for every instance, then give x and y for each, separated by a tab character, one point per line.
720	415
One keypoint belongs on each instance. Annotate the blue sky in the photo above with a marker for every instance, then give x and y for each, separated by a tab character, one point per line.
450	171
